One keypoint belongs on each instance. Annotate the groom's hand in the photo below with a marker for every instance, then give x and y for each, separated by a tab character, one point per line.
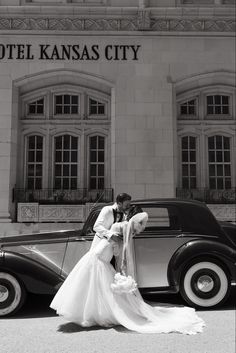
116	237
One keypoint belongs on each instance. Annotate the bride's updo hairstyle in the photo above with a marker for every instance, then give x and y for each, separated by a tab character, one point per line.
134	209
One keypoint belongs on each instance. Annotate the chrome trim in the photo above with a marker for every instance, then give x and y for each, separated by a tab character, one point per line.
154	290
205	283
176	234
33	241
4	293
233	283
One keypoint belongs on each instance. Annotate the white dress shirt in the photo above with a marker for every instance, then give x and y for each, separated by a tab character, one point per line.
104	221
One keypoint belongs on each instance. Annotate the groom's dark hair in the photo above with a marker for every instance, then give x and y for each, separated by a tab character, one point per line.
123	197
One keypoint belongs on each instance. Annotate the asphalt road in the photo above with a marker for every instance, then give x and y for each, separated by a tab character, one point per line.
36	329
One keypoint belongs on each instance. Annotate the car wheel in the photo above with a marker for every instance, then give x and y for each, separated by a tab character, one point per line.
205	284
12	294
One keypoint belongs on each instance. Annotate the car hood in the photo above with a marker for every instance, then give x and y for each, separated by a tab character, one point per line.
39	237
230	230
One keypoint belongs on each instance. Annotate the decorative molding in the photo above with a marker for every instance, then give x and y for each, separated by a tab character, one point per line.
193	25
141	22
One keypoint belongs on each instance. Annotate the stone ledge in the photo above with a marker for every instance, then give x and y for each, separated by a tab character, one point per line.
78	10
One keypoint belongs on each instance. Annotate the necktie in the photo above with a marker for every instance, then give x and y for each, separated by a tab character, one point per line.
118	216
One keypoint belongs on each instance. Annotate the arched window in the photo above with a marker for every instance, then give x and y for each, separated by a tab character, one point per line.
96	162
66	162
34	162
206	110
219	160
188	162
69	117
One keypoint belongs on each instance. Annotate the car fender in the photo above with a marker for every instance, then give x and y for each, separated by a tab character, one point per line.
196	249
36	277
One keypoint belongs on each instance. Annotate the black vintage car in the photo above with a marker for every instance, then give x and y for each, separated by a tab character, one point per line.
183	249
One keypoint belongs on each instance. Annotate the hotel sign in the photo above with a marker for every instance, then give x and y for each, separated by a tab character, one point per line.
71	52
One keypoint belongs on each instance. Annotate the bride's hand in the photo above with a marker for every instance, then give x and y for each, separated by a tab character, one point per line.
123	267
138	228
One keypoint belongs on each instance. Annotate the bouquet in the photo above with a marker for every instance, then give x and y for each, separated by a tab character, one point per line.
123	284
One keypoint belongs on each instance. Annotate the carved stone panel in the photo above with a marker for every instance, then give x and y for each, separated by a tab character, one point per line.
27	212
224	212
61	213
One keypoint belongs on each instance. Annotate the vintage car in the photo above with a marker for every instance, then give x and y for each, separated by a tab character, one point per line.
183	249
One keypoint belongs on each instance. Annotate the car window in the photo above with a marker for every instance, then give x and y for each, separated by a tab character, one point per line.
161	218
88	227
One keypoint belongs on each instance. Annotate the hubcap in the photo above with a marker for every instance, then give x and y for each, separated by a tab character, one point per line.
4	293
205	283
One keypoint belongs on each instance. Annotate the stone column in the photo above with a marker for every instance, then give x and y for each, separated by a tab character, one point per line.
6	137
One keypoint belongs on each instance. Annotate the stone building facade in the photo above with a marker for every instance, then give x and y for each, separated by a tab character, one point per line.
103	96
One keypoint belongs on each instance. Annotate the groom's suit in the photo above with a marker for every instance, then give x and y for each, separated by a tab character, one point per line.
107	216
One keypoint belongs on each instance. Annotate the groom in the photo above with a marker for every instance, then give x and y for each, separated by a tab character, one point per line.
110	215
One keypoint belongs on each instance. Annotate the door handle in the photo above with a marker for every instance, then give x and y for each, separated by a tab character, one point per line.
80	239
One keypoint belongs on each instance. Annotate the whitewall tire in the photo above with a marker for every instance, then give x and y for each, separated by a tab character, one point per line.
205	284
12	294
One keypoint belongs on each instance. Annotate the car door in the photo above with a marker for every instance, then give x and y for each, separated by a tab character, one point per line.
155	246
79	244
50	252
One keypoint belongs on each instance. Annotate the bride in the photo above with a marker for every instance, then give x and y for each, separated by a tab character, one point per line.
94	294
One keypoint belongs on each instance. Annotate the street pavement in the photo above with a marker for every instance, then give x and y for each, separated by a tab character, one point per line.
36	329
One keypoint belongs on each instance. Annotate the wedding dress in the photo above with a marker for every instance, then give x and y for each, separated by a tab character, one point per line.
87	296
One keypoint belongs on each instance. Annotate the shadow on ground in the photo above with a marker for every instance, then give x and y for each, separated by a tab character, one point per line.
70	327
37	306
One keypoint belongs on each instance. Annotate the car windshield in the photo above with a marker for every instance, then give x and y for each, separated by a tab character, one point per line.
88	226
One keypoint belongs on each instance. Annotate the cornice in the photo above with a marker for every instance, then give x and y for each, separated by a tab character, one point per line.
121	20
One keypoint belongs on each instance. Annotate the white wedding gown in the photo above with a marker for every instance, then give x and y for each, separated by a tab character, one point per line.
86	298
